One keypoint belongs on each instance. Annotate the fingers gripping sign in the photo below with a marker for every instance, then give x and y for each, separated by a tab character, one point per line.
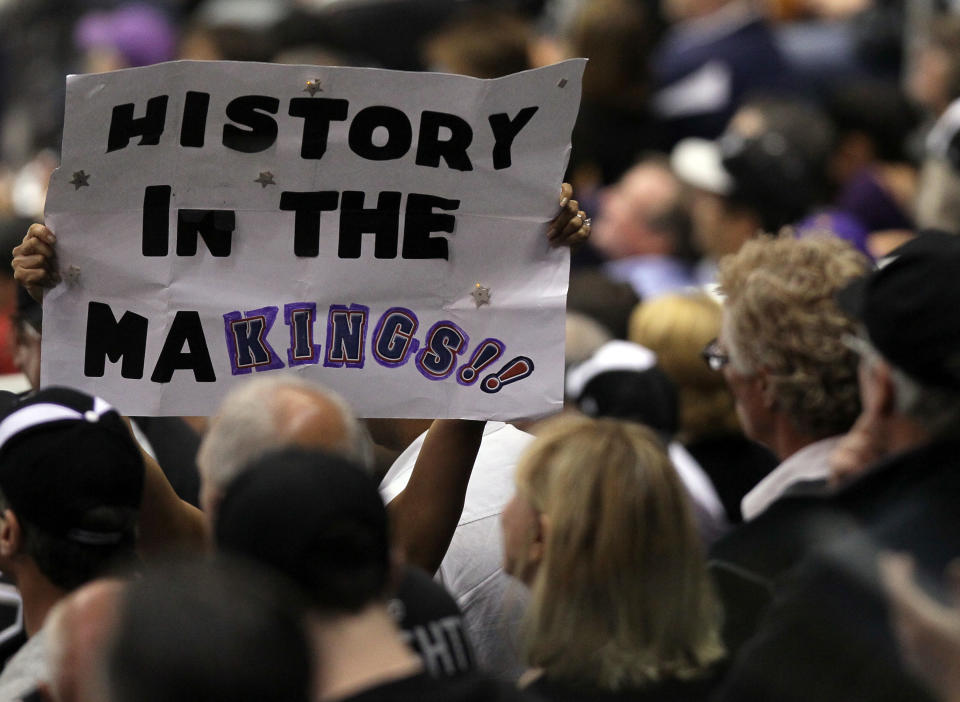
34	261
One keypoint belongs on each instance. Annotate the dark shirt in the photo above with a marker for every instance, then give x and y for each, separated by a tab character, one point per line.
671	690
423	688
735	464
827	635
432	625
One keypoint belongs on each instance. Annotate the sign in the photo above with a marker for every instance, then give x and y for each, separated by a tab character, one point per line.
379	232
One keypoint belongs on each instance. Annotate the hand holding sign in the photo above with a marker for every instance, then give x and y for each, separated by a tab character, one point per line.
34	261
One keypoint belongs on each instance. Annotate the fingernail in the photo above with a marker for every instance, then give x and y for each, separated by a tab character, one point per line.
564	201
51	238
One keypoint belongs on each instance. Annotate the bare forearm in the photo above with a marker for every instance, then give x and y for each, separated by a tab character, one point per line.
425	515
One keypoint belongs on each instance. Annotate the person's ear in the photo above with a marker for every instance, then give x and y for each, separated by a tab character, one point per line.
886	398
765	387
538	546
10	534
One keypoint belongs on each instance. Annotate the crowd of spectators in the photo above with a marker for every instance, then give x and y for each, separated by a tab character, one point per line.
751	493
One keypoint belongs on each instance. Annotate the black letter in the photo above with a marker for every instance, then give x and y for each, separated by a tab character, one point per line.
186	328
453	150
248	111
194	122
123	127
384	222
421	220
108	338
156	220
317	114
504	132
399	133
215	226
306	225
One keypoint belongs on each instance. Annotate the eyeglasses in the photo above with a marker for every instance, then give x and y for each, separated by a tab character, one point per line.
714	356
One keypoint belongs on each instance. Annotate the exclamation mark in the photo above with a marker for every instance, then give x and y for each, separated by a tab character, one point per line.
487	352
518	369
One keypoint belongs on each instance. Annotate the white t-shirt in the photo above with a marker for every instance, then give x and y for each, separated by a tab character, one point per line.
26	669
491	601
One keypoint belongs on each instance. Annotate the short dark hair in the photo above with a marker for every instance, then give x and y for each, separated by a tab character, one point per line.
69	564
209	630
315	517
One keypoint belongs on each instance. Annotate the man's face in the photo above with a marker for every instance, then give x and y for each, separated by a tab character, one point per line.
622	226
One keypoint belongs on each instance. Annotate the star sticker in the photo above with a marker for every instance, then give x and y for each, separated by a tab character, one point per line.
481	295
265	179
80	179
313	87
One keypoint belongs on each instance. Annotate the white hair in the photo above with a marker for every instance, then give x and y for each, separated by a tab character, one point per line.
937	410
247	427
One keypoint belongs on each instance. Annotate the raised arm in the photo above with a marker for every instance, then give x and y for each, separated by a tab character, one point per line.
425	515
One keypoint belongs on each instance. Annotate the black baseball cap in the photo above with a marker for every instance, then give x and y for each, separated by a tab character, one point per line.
315	517
910	308
65	455
622	380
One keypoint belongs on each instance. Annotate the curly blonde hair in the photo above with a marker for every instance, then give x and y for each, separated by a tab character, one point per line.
782	316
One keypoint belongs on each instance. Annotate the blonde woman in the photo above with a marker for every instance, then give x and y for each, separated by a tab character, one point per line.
601	532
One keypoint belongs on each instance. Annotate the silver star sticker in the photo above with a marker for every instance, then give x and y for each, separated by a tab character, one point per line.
265	179
480	295
80	179
313	87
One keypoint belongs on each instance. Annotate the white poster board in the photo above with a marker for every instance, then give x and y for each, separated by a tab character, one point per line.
379	232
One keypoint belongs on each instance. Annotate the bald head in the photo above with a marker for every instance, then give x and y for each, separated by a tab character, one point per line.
272	413
80	628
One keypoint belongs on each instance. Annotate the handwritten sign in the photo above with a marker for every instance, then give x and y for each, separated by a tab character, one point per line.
379	232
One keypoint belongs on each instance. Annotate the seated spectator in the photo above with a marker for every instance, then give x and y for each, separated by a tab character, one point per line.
677	328
780	351
643	231
209	631
766	171
71	479
322	523
472	568
609	616
623	381
795	388
267	414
